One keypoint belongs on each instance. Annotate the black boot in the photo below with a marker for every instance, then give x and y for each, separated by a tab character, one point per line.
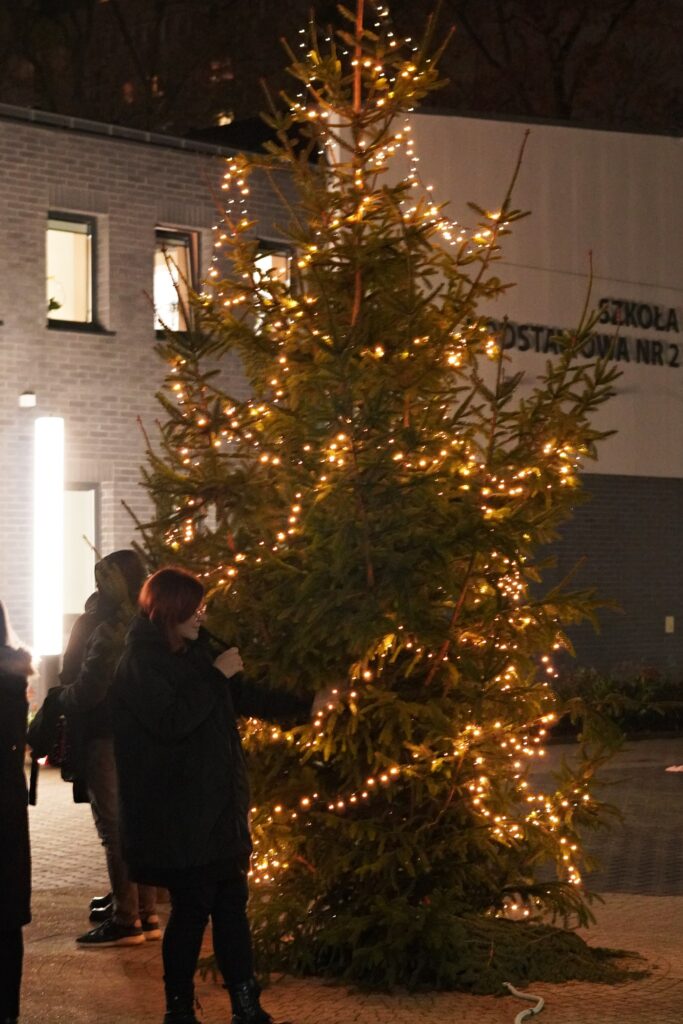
180	1009
246	1008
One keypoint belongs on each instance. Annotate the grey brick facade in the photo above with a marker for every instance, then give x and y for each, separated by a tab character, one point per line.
99	382
626	540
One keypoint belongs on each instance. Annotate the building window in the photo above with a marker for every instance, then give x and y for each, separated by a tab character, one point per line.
274	262
175	266
70	269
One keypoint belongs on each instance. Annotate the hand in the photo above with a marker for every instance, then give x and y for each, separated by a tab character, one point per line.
326	700
229	662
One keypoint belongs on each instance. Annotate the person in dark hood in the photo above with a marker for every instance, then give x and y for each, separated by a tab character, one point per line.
130	916
15	857
184	788
99	606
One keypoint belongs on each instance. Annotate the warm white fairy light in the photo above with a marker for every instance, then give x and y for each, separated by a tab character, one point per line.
283	315
542	811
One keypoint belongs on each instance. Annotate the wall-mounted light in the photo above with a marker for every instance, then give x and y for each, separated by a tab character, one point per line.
48	534
27	400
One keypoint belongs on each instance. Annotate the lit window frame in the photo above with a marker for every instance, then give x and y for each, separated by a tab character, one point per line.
189	238
267	247
56	322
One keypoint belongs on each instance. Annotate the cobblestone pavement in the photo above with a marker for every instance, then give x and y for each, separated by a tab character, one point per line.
643	854
640	879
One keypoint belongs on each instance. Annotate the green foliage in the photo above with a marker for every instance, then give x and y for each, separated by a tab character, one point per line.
372	517
628	700
436	946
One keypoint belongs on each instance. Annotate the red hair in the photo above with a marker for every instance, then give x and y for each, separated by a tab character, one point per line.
169	597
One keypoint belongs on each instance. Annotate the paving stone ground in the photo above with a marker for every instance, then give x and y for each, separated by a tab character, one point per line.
641	879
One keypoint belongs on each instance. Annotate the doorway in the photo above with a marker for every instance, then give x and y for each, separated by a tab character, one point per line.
81	540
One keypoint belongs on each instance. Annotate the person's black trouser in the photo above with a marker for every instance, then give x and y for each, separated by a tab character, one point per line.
11	959
130	901
225	902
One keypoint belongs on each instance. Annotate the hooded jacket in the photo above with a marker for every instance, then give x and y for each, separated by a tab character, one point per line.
183	787
95	644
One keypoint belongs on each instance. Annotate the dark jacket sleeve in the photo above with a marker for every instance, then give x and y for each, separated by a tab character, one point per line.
168	710
94	678
255	700
15	858
75	648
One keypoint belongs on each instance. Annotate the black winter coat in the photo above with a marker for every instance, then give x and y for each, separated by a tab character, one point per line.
82	724
90	659
183	786
15	857
84	690
81	631
87	696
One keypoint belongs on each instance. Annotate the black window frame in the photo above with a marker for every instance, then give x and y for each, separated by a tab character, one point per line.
93	325
272	247
268	247
192	238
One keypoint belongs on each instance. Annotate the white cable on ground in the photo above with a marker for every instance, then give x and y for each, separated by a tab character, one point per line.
523	1014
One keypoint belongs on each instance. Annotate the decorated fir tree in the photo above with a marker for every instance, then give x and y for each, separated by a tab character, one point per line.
374	516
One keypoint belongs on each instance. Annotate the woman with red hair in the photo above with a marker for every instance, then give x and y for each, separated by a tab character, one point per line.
183	785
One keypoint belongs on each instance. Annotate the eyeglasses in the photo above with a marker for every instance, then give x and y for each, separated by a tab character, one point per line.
200	613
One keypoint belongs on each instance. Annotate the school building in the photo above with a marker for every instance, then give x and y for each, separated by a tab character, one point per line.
94	219
612	201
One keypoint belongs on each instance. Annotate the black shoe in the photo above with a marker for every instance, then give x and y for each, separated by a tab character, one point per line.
246	1008
100	914
111	933
180	1010
101	901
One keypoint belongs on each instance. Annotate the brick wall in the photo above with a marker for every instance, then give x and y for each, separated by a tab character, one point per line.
629	534
100	382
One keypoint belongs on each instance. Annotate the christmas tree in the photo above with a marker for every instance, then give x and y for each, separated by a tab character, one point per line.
374	516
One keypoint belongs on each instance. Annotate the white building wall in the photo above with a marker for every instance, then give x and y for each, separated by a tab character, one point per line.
614	195
617	196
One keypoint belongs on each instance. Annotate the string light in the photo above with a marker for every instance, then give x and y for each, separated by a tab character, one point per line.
290	325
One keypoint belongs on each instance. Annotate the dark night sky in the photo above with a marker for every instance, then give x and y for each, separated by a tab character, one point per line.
176	65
